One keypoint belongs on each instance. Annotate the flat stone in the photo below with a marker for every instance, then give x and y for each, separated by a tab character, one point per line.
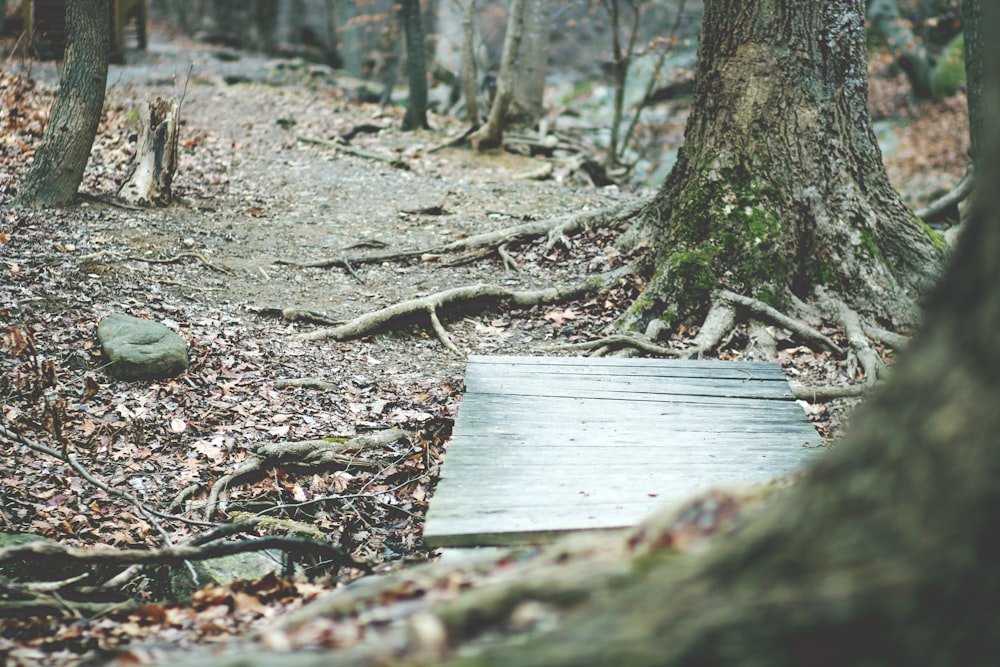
140	349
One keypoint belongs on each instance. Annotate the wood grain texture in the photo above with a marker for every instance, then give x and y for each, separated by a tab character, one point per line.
547	445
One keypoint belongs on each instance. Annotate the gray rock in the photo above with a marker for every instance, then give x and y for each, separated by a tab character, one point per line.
140	349
224	570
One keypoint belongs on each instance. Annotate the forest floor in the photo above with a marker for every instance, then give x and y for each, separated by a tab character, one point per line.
257	197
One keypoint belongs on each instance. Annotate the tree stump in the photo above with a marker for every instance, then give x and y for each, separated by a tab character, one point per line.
155	161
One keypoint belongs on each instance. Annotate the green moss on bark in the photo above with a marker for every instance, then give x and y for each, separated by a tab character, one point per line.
726	232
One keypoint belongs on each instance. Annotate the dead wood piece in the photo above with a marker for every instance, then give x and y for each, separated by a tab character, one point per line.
305	383
181	257
296	315
371	590
393	315
775	316
151	172
307	453
395	162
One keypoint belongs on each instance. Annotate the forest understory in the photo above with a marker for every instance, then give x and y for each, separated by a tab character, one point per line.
329	273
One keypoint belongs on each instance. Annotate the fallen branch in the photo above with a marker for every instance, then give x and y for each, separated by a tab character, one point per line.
13	436
313	453
182	256
395	162
174	554
393	315
555	229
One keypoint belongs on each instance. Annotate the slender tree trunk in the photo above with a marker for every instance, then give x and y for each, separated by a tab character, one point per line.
972	14
470	87
491	134
909	50
416	66
529	88
779	191
58	164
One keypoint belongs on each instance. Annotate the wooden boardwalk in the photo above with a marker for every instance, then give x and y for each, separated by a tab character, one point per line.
548	445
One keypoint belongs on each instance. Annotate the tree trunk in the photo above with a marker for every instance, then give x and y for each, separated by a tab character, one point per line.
62	156
909	51
529	88
416	66
779	192
470	89
491	134
972	27
886	553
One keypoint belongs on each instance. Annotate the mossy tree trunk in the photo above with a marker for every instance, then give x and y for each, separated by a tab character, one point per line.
62	156
886	553
779	191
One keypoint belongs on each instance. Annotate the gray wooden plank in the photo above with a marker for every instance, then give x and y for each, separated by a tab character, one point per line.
626	388
624	366
543	445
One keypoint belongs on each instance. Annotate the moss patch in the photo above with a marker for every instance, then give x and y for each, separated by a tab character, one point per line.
949	72
726	232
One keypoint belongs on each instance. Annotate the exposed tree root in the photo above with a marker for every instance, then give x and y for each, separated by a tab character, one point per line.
770	314
860	353
892	339
429	305
617	341
950	199
554	229
720	321
313	453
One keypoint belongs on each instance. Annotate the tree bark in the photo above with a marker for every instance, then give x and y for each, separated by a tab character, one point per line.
58	164
779	192
529	88
470	89
491	134
416	66
972	26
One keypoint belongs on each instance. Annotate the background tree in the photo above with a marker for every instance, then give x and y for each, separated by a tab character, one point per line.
491	134
533	59
972	26
62	156
779	193
416	65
